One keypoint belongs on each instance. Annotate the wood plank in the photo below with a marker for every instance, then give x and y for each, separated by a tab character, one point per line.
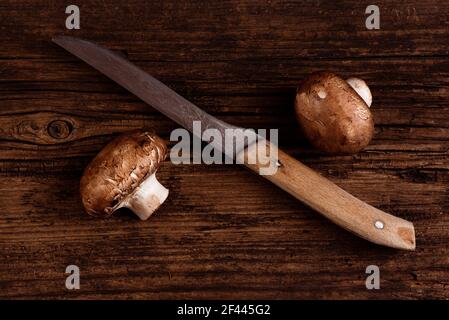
225	30
414	81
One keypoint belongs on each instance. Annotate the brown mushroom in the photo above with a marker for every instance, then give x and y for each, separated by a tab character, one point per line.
123	174
333	116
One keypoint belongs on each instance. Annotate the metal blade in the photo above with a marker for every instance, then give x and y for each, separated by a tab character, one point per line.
144	86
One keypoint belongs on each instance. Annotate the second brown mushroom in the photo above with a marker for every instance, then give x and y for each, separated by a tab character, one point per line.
123	174
334	114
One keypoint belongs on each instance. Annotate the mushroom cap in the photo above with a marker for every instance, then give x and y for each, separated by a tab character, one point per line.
118	169
334	118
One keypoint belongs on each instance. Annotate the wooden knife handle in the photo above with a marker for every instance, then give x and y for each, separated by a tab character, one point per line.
334	203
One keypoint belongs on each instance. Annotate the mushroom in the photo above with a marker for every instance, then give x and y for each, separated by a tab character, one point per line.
123	174
334	117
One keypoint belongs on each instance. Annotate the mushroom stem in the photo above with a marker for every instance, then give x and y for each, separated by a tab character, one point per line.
147	197
362	89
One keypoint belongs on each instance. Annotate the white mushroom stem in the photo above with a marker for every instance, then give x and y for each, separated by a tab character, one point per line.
362	89
147	197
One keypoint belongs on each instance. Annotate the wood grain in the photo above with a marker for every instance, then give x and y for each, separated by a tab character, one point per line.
223	232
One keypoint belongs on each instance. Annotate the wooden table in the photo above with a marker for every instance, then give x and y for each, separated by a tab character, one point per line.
223	232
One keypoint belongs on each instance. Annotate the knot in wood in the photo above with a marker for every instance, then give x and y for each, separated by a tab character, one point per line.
59	129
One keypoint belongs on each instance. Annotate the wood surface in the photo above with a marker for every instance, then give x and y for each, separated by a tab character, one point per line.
223	232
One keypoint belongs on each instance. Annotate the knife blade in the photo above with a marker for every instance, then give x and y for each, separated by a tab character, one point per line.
292	176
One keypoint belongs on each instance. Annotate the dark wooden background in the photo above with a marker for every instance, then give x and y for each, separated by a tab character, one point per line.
223	232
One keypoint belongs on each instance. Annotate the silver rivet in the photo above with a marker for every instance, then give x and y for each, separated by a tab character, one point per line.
379	224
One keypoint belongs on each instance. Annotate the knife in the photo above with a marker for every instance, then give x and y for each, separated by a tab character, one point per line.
291	175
